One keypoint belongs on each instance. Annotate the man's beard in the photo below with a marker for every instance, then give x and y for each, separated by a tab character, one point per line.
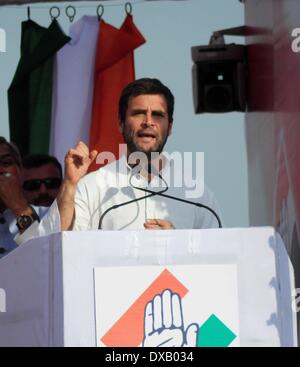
43	200
128	135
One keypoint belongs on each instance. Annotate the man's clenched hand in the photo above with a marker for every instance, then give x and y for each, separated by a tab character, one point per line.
77	162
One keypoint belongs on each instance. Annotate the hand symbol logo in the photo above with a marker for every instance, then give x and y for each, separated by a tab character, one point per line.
163	323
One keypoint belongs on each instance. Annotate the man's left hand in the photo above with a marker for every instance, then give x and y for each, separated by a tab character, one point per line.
158	224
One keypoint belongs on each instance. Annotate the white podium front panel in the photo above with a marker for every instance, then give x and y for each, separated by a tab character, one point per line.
50	286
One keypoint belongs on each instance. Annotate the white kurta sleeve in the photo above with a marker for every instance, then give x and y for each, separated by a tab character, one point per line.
82	209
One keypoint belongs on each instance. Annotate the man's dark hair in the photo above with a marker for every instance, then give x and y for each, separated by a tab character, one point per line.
38	160
145	86
13	149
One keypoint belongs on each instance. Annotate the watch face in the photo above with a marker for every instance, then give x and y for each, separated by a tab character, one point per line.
25	221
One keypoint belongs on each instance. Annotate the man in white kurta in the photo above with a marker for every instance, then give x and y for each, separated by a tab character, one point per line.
145	120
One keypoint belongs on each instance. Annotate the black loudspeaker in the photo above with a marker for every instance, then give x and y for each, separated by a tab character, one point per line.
219	78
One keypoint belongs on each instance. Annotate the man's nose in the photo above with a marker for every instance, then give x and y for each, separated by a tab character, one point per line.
148	121
43	189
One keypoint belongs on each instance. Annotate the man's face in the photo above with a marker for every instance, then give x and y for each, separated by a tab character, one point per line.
7	162
147	125
41	184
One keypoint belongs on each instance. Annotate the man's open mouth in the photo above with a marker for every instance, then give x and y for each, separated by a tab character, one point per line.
146	135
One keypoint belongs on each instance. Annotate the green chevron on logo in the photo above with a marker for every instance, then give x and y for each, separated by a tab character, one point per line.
214	333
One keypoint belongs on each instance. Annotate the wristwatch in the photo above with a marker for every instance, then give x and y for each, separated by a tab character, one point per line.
25	220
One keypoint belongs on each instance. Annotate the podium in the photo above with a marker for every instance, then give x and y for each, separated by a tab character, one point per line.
85	288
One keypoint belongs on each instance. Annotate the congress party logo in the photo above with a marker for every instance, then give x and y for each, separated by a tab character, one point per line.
157	319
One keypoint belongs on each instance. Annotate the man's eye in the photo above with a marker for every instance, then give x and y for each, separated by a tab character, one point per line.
159	114
7	163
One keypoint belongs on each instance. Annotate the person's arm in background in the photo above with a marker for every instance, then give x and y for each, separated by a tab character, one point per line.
49	223
12	197
77	162
60	216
